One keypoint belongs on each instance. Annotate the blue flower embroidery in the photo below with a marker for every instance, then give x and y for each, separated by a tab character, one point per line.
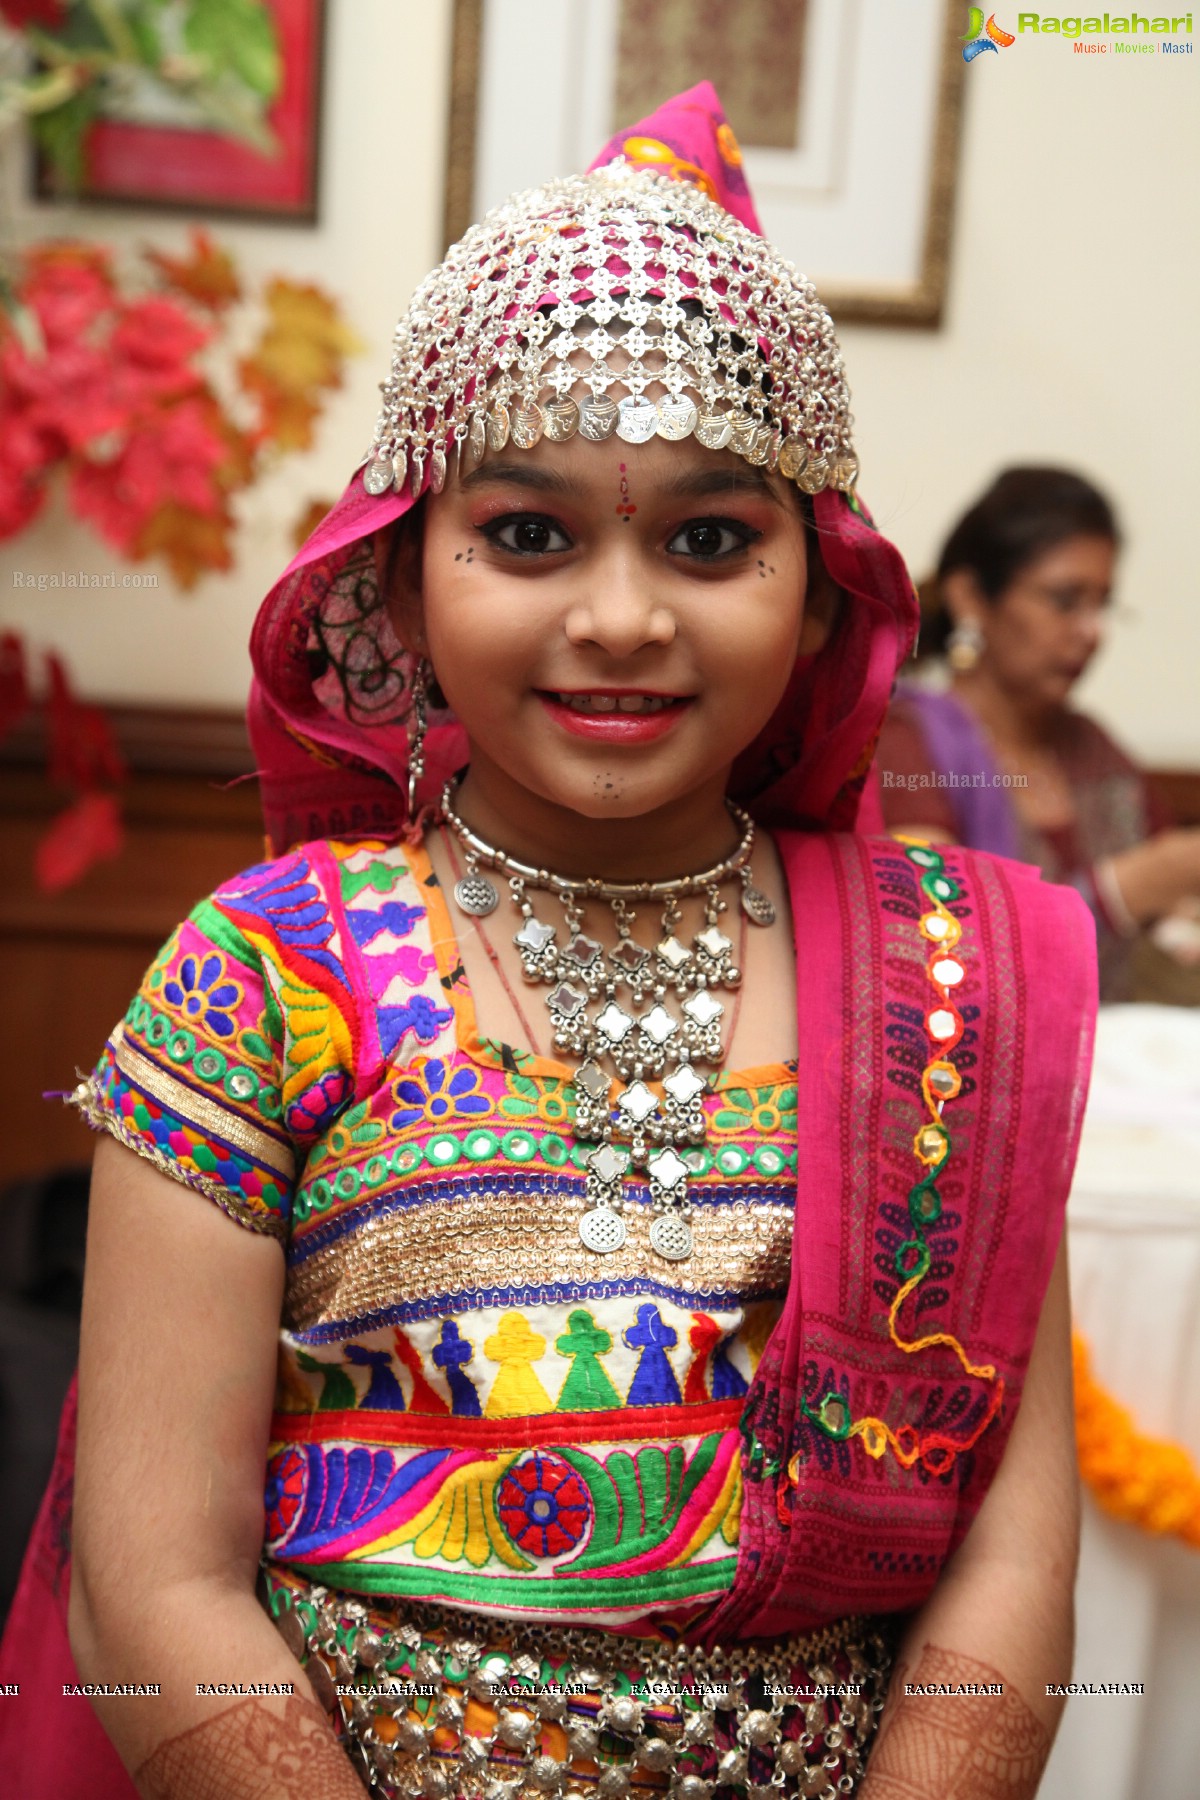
427	1097
203	993
420	1016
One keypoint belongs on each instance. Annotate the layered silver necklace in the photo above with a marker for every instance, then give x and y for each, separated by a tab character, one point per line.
607	1008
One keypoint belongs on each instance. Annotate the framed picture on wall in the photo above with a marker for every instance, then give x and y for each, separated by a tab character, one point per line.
152	148
847	120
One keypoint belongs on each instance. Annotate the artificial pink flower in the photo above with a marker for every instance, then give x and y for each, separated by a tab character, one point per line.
68	286
71	396
86	831
172	455
157	334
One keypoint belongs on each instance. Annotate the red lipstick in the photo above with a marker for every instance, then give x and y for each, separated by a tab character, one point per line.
615	726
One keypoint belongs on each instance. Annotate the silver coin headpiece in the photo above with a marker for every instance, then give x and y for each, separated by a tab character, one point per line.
614	302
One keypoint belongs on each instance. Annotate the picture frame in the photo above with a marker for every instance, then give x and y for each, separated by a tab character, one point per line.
864	201
183	168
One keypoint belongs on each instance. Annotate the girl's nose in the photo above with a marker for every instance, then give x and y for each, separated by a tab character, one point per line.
618	611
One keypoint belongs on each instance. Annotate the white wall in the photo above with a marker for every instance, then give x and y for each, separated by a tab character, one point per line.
1069	336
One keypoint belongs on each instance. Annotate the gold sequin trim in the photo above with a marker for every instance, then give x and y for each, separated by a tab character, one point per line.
87	1101
194	1109
498	1240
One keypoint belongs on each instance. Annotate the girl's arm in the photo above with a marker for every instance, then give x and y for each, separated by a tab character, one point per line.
1001	1615
177	1379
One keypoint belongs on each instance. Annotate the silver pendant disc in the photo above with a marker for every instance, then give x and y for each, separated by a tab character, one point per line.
637	419
475	894
602	1230
758	908
597	418
671	1237
378	477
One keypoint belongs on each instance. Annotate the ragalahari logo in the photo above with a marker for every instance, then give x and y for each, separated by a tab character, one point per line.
980	37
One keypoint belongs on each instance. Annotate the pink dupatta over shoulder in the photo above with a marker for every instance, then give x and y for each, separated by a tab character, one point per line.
868	1448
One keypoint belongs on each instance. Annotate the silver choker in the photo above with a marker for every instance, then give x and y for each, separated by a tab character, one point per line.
637	1131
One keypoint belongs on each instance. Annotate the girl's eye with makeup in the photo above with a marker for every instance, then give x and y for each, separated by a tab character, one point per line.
708	539
527	534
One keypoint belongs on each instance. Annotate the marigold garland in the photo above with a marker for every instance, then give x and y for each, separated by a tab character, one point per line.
1148	1482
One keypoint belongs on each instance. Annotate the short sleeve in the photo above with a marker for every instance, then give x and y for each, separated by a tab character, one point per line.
190	1078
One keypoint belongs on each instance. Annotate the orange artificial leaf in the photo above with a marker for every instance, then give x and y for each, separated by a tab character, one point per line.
285	420
192	543
240	466
308	521
305	342
208	276
88	830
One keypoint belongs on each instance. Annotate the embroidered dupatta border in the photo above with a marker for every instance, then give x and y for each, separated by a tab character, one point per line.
866	1532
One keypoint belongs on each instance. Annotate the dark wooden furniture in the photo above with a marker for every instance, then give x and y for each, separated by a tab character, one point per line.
70	962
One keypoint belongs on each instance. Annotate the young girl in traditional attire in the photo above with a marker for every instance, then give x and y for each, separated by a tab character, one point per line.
660	1187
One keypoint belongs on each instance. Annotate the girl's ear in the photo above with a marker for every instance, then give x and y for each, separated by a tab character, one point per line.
398	553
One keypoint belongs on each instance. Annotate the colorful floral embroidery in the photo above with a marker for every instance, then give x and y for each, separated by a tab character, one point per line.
550	1100
202	992
430	1095
316	1106
935	1450
758	1112
543	1505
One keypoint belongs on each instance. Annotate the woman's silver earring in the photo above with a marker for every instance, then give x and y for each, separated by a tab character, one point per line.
964	646
417	725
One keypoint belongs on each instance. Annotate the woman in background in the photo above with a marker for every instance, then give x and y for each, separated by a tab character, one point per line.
1001	761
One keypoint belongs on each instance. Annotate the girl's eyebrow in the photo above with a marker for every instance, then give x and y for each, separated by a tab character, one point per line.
514	474
698	484
689	484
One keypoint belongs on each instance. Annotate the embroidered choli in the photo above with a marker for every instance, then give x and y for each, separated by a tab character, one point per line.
471	1406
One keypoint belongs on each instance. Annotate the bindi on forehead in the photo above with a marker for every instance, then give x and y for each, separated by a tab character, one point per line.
625	505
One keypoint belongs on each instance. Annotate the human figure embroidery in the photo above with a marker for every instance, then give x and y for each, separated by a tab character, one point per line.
451	1353
587	1388
516	1390
654	1383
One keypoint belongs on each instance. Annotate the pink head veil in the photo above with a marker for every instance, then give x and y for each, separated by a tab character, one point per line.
330	698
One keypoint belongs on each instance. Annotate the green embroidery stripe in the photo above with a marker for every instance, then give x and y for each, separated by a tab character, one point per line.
211	1065
559	1595
520	1148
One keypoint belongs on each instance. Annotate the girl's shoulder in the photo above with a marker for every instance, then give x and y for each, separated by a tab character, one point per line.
323	880
348	936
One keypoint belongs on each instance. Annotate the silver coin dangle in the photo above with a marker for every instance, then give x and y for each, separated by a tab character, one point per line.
758	907
602	1230
671	1237
474	894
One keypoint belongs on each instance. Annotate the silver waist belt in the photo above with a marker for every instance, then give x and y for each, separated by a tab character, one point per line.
450	1705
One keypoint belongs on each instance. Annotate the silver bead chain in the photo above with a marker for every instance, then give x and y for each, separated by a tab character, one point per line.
608	1010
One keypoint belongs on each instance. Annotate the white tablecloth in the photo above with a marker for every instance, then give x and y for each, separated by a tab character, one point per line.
1134	1236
